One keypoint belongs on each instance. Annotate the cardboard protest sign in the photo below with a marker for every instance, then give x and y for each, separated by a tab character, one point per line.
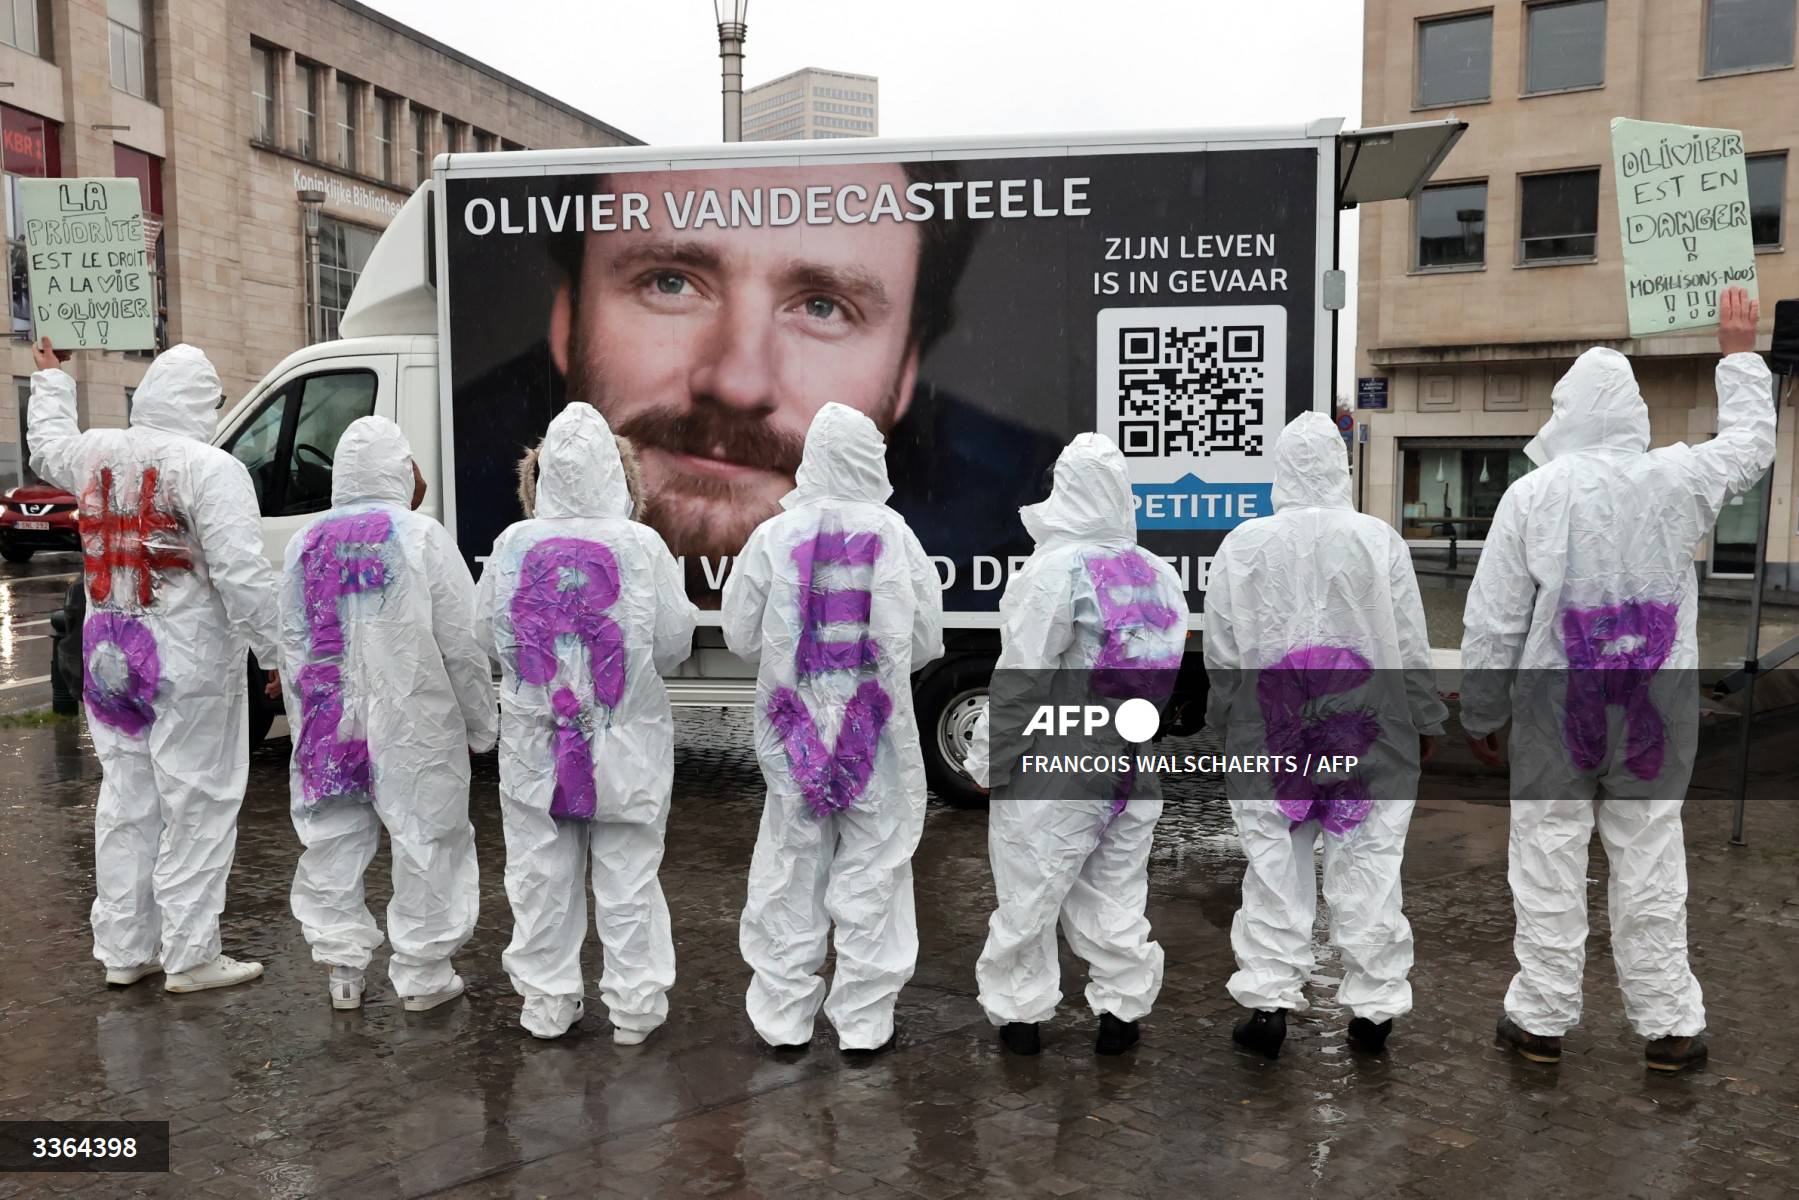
1683	211
91	284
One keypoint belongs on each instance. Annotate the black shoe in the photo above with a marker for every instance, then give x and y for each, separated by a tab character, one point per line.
1115	1036
1366	1036
1263	1031
1021	1037
861	1054
1675	1053
1531	1046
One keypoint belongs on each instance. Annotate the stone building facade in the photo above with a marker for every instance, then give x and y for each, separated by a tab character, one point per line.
228	110
1477	296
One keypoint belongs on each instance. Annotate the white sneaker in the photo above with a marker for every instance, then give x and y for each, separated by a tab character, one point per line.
346	988
549	1017
126	976
431	1000
223	971
629	1037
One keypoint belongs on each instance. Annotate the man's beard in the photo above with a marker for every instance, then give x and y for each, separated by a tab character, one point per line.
698	515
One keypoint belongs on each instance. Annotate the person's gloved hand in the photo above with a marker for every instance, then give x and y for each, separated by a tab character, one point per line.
1737	315
1486	749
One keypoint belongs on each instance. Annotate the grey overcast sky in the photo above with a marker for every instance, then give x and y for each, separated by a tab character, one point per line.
947	67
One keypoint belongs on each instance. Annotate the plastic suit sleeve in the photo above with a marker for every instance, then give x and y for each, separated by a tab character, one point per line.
927	616
1496	621
1223	658
1428	709
979	748
228	523
746	595
51	428
1730	463
1038	628
484	601
675	613
453	625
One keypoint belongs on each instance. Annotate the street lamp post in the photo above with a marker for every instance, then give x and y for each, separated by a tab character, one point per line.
731	34
312	200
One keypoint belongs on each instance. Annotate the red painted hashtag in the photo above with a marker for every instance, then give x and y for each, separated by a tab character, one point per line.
114	540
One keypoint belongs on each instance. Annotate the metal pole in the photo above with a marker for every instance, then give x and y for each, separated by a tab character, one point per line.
1752	655
731	36
312	287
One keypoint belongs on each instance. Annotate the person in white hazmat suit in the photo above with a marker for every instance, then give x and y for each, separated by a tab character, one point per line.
177	588
585	610
387	694
1088	605
1581	630
1315	646
838	603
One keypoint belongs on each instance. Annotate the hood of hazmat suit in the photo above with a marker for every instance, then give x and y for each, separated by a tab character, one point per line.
1090	614
1581	629
585	610
838	603
387	692
177	589
1316	648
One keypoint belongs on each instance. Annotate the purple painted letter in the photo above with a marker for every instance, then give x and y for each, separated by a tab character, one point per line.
833	780
125	705
329	766
565	587
1285	691
1613	655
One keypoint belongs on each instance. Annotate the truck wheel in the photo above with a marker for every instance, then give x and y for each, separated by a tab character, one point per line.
947	704
262	709
16	554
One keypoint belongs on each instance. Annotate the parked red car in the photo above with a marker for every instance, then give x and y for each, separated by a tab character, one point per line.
37	517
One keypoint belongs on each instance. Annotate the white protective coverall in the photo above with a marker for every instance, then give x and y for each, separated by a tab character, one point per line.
387	693
1088	600
1581	629
1315	644
584	609
838	600
177	588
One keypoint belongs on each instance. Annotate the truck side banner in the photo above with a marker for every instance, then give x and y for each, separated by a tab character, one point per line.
982	310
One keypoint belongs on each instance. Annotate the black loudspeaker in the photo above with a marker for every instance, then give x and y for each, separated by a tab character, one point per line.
1783	354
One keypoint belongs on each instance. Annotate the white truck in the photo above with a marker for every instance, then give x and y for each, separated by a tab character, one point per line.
983	299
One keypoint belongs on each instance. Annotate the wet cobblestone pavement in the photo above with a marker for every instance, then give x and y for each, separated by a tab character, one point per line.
271	1093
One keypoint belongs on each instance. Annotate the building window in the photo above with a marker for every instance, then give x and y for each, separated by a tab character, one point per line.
262	92
343	251
385	123
1451	220
306	110
349	102
1452	488
455	136
19	24
421	146
484	141
1558	216
1566	45
1748	35
1455	59
31	150
130	34
1733	538
1767	200
128	163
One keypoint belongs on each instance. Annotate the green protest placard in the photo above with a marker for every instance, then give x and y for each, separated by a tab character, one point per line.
1683	210
91	285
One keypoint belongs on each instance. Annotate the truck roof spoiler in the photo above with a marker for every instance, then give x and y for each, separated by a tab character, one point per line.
1391	162
397	290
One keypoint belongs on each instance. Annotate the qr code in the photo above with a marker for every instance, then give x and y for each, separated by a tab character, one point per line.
1193	390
